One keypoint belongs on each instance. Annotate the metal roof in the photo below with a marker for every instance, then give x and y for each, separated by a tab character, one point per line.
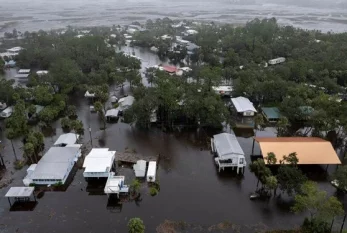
226	144
55	163
140	168
271	113
99	160
242	104
67	139
309	150
112	112
20	192
126	101
22	76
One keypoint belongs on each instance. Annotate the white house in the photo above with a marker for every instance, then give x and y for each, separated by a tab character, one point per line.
89	94
54	167
166	37
228	151
14	51
243	106
23	71
140	168
223	90
152	171
125	102
98	163
276	61
66	139
42	72
191	32
7	112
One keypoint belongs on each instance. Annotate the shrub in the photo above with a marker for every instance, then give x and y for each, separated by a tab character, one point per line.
58	184
135	225
65	123
153	191
315	225
19	164
135	186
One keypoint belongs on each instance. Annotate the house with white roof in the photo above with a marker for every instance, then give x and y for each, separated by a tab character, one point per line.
98	163
244	110
54	167
243	106
66	139
125	102
228	151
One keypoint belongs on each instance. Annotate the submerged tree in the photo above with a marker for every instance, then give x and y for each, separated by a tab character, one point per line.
100	109
317	203
290	179
260	170
135	225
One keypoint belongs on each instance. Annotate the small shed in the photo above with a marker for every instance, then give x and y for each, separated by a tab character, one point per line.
42	72
244	106
140	168
112	114
66	139
152	171
21	76
89	94
271	114
20	194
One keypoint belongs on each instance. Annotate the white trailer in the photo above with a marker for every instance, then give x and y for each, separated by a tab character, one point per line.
277	61
152	171
7	112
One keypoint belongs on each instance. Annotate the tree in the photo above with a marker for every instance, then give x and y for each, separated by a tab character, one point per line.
135	186
340	177
290	159
259	122
43	95
271	183
77	126
260	170
317	203
271	158
135	225
10	134
29	151
290	179
282	126
100	109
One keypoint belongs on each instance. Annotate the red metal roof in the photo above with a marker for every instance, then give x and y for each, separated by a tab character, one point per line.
170	69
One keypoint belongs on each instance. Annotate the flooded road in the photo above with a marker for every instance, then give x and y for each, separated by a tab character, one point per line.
46	15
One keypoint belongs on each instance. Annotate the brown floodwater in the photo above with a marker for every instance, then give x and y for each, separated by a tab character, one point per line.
191	189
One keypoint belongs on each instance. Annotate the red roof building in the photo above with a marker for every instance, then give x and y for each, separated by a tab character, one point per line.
170	69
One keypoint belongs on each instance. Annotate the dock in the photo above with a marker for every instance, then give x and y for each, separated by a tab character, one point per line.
128	157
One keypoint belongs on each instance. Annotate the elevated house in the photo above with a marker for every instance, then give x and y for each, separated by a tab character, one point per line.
244	110
54	167
125	103
228	152
99	163
271	114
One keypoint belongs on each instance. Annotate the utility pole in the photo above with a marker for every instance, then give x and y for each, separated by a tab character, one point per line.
90	135
343	223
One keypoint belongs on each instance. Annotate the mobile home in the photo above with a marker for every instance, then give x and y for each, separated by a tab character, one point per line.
151	172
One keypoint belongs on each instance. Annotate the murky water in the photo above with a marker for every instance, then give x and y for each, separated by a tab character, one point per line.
192	190
39	14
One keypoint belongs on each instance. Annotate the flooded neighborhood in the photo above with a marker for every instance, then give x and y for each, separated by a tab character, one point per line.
195	119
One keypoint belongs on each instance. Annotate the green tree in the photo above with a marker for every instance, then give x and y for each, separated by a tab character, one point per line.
260	170
29	151
43	95
259	122
271	183
282	126
317	203
340	178
135	225
135	186
77	126
290	179
10	134
271	158
99	107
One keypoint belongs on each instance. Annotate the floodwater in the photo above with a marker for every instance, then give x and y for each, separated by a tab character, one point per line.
191	189
34	15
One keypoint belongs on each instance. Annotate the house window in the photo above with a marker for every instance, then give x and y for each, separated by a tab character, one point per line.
241	160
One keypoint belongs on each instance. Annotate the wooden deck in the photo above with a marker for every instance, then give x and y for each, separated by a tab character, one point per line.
128	157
